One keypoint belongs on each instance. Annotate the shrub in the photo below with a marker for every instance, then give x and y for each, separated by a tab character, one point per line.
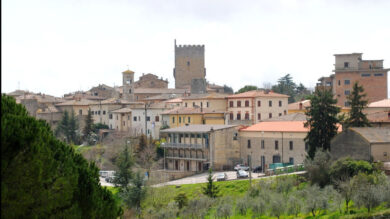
242	205
181	200
318	168
347	167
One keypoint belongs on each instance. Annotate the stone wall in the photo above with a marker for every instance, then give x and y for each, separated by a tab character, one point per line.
349	143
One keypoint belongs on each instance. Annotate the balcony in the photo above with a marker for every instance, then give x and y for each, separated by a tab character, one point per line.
199	158
181	145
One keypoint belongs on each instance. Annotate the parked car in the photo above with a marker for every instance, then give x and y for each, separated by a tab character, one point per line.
258	169
241	167
222	177
242	174
110	179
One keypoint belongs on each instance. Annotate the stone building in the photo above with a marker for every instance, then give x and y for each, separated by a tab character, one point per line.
142	94
195	148
151	81
120	119
254	106
367	143
273	142
189	64
350	68
104	91
101	109
128	85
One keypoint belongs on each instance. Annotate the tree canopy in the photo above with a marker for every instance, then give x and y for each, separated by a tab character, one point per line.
42	177
247	88
322	121
357	102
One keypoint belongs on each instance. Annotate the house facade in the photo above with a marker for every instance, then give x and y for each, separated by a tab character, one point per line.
196	148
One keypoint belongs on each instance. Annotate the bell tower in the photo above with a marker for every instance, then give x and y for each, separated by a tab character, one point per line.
128	85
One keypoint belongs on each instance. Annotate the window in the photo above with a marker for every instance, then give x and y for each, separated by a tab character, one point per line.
130	91
80	112
134	118
385	154
249	143
346	104
285	112
207	104
179	119
280	114
339	82
259	116
99	112
231	104
188	63
110	116
238	116
231	116
124	124
346	82
198	135
291	160
291	145
346	64
280	103
366	75
378	74
239	103
276	145
270	115
270	103
148	118
246	116
173	119
92	112
201	104
157	119
193	103
104	112
128	117
347	92
185	104
262	144
259	103
246	103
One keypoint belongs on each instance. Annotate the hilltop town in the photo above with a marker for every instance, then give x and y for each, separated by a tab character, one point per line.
207	125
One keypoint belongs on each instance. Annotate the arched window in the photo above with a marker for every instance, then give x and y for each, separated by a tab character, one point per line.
246	116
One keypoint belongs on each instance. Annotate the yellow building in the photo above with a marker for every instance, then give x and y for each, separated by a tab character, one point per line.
213	101
194	116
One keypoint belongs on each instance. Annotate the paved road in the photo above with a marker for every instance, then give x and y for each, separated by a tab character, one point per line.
202	178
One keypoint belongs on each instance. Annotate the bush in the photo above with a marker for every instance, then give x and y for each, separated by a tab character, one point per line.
197	207
224	208
242	206
258	207
347	167
318	168
181	200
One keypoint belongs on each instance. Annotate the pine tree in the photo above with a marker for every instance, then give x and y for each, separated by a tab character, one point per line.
124	174
62	128
357	102
322	121
88	125
211	190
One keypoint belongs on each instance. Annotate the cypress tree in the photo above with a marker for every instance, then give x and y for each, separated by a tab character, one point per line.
357	102
72	128
124	174
322	121
88	125
211	190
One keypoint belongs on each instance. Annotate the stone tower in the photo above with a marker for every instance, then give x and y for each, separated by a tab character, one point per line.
128	85
189	64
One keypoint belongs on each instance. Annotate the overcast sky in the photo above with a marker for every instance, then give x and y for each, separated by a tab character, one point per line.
60	46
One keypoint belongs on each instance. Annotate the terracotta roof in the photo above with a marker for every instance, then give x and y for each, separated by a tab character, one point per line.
277	126
289	117
197	128
373	134
115	101
295	106
257	93
77	102
381	103
122	110
128	71
185	110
